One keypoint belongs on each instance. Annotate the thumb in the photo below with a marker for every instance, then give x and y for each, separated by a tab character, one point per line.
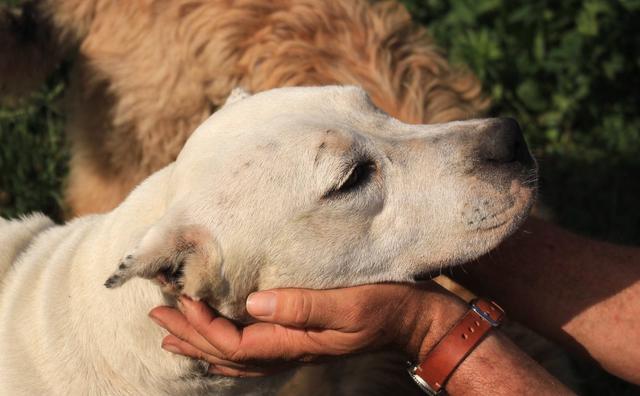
296	307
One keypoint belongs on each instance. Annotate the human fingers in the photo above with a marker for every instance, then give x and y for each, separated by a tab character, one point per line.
257	342
195	332
231	372
346	309
175	345
217	331
316	323
260	344
177	324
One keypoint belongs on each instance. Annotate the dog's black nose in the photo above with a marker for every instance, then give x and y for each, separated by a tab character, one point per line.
503	142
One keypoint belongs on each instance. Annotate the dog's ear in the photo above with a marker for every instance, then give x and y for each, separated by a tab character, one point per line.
236	95
184	259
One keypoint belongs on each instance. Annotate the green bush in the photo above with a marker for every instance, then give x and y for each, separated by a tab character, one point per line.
33	153
33	150
569	71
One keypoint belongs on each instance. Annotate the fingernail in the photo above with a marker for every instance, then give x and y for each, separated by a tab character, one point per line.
171	348
156	320
261	303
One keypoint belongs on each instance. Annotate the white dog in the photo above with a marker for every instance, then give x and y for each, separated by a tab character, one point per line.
305	187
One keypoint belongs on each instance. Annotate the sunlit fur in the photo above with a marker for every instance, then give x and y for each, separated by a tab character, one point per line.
146	73
244	207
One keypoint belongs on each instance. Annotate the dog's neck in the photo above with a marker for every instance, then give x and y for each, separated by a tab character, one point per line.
124	342
116	321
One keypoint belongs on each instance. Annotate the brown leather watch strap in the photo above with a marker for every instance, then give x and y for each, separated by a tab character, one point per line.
457	344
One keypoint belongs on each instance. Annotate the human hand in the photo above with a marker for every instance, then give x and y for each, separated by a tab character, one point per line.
300	325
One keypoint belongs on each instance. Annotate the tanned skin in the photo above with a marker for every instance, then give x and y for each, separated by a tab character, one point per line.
310	325
582	293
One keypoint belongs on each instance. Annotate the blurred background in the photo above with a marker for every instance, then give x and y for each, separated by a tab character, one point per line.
568	71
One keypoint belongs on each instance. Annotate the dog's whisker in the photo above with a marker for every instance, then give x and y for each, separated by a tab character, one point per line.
278	227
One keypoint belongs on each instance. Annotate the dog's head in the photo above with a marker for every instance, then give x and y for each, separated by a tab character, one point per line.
315	187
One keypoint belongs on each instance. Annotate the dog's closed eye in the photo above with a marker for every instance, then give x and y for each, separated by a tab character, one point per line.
359	175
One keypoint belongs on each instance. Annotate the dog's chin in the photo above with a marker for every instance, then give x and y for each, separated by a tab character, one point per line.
509	220
503	223
504	215
484	237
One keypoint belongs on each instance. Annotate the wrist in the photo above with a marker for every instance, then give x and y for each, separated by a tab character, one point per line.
446	314
497	366
436	312
486	360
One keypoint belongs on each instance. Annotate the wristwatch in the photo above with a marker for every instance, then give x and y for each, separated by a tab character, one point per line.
434	371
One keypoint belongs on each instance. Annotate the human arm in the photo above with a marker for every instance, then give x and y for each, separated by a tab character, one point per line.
316	324
582	293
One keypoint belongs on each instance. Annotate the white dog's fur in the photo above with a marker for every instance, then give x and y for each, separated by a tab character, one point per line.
305	187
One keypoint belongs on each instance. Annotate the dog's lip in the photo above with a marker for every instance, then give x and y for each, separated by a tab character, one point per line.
524	197
427	275
493	226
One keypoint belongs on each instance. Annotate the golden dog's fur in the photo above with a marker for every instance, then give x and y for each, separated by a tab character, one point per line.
148	72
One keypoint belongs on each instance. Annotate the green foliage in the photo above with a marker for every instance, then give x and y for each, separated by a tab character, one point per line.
569	71
33	153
